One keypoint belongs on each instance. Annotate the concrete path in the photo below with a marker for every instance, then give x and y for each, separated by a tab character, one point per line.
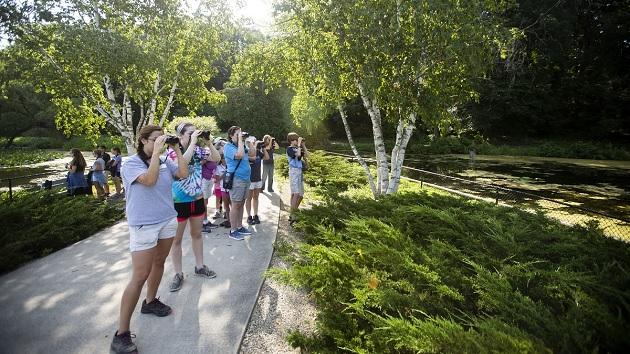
68	302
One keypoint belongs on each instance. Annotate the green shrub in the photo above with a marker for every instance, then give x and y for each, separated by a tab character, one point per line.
201	123
84	144
419	272
38	142
38	223
17	157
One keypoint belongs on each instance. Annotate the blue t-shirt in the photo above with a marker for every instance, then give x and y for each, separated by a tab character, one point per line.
148	205
118	160
189	188
244	171
295	162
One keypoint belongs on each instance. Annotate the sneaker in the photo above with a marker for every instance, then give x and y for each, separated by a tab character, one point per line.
177	282
235	235
250	220
244	231
205	272
122	343
226	224
206	228
155	307
218	215
256	219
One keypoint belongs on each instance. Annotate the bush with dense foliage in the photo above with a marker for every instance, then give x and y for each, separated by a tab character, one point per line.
84	144
427	272
201	123
38	223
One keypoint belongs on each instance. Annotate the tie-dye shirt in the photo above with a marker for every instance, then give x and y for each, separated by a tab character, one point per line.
188	189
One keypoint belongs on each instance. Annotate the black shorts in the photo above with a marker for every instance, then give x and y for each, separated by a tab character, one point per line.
190	209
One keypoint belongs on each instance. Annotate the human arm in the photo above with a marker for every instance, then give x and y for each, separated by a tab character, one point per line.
240	150
190	151
150	177
251	152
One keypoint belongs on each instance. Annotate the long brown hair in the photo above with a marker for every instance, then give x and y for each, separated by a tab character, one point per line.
145	133
77	159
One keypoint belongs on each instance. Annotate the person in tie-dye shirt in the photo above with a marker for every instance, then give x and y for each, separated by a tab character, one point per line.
189	203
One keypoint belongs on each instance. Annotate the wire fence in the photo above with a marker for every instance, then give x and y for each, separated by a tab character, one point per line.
613	226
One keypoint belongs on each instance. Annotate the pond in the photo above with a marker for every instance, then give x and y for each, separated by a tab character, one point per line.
22	176
599	185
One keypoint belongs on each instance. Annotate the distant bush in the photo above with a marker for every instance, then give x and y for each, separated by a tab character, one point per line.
34	142
201	123
37	223
84	144
18	157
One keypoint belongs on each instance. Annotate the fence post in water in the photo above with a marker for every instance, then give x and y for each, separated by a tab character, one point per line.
10	190
420	184
496	196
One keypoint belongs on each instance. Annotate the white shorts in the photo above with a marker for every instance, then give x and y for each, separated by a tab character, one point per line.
144	237
255	185
207	185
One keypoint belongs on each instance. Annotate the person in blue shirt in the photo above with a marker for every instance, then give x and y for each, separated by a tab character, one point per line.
237	158
295	153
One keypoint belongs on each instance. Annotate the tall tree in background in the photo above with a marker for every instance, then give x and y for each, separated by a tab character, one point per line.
569	75
406	60
99	59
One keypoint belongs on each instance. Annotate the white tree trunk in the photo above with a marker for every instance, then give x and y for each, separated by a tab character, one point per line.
171	97
403	135
368	173
153	103
382	166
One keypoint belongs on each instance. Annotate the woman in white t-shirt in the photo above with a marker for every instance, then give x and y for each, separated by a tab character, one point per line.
152	225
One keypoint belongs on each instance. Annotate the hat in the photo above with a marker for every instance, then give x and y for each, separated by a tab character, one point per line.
218	140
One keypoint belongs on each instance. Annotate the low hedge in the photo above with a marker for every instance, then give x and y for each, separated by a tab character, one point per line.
427	272
37	223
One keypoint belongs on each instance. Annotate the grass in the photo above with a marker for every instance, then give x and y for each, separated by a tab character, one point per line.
38	223
420	271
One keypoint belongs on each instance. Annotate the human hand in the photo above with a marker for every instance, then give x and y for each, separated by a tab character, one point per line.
158	145
194	136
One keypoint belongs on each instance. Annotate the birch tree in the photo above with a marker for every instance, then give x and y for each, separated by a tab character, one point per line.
409	61
122	63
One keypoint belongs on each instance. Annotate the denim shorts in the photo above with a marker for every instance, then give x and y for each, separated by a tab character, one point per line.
239	190
144	237
296	180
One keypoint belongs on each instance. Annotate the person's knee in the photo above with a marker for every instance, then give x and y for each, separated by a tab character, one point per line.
140	276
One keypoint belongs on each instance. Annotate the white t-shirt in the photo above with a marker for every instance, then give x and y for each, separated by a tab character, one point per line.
220	171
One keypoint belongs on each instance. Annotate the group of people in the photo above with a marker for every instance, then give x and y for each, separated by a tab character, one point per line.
105	165
165	191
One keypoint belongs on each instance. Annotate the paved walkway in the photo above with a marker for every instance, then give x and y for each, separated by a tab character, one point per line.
68	302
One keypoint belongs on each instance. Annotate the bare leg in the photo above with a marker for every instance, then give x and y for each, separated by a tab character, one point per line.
236	215
254	199
117	184
248	204
176	248
142	262
197	240
157	270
